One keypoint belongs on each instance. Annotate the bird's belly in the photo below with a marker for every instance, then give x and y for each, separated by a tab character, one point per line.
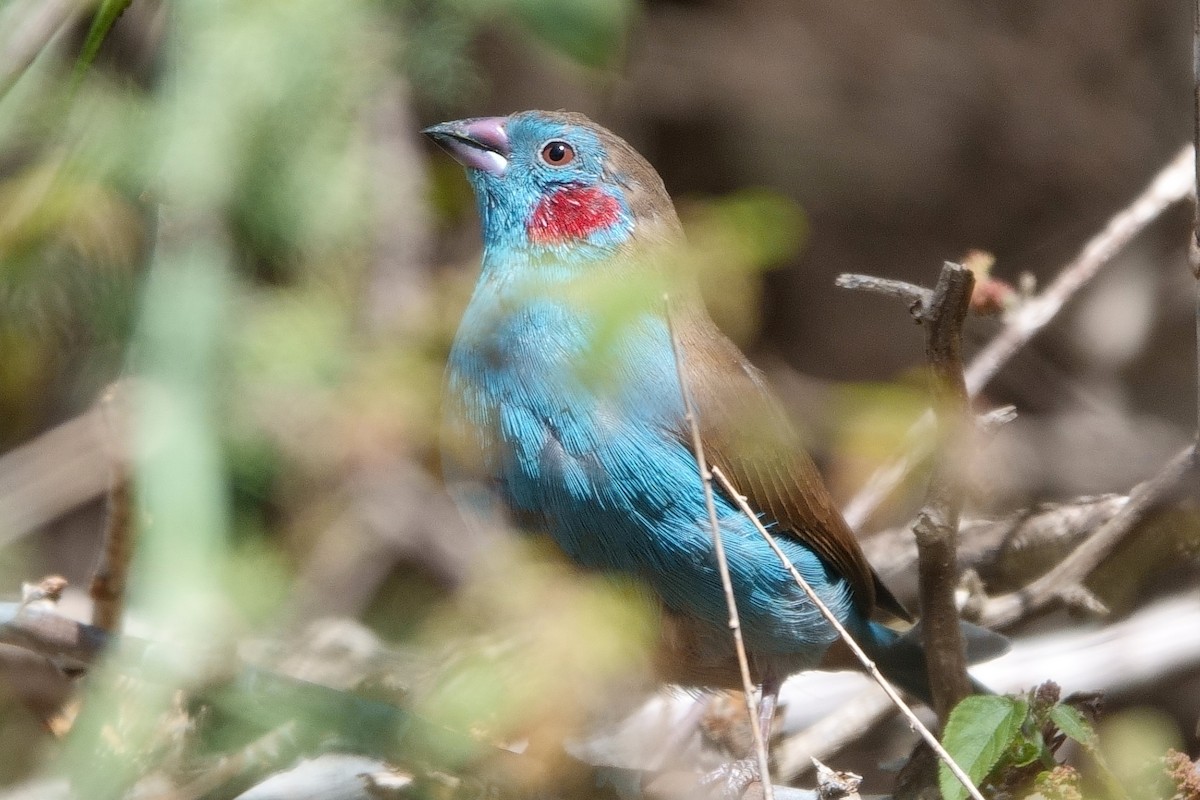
631	501
597	465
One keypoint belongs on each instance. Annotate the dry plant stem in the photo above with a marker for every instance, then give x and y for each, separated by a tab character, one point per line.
936	527
735	626
942	313
915	296
1172	184
65	641
1064	583
1010	551
861	655
107	587
108	580
1194	249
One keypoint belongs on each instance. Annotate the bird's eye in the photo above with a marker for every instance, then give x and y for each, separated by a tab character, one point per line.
558	154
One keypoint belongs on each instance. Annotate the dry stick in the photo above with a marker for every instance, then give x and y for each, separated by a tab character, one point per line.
862	657
735	625
1172	184
1010	551
112	570
1065	582
1194	250
936	528
942	313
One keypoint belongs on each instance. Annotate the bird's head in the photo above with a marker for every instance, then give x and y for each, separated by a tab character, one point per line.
555	185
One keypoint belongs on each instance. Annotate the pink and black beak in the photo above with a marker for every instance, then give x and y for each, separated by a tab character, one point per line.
480	143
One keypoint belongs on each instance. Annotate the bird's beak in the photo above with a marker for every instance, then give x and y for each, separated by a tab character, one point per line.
480	143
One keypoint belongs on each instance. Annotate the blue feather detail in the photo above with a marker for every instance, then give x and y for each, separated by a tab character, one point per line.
615	489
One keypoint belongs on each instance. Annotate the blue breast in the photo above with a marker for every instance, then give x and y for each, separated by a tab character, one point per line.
579	430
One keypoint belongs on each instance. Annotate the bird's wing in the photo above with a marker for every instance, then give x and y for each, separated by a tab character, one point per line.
746	433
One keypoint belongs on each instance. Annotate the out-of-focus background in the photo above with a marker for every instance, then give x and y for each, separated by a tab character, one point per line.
228	208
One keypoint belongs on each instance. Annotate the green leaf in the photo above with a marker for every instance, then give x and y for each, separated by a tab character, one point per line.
980	729
1026	750
1071	722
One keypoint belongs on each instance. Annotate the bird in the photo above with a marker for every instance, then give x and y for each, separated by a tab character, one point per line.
565	403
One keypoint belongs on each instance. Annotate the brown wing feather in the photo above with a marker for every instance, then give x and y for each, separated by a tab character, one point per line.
746	433
744	430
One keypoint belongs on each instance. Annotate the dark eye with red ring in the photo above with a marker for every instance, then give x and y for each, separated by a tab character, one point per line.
558	154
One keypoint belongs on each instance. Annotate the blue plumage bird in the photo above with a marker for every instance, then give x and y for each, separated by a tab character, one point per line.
563	399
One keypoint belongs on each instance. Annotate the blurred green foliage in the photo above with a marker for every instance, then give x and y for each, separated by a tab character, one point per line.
204	222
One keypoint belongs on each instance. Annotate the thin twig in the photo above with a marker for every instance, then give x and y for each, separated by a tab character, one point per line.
936	528
67	642
942	313
859	653
1194	249
1064	583
1006	552
915	296
1172	184
107	588
735	625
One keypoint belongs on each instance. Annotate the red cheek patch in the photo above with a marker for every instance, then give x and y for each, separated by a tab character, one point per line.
573	212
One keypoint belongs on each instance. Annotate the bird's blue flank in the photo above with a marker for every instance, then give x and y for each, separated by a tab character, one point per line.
615	488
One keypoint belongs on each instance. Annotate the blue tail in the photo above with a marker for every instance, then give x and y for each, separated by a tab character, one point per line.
901	657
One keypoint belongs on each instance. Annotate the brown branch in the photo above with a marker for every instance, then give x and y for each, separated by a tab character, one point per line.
916	297
1194	248
936	527
1064	583
47	633
828	712
1006	552
107	587
942	312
